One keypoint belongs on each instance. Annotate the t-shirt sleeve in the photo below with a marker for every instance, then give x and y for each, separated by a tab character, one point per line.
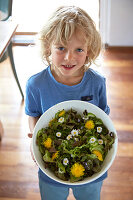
31	101
103	98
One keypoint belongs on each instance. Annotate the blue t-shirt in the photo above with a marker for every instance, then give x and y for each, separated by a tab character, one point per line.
43	91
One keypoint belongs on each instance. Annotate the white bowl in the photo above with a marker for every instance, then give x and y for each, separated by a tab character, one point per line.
79	106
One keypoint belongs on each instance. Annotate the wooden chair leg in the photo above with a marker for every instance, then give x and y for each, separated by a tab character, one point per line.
13	68
1	130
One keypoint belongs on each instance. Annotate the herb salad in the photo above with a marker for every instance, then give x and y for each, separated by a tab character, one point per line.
74	146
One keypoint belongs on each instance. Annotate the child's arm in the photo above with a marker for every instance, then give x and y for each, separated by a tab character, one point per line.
32	122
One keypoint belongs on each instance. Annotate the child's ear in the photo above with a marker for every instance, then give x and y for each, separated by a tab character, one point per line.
87	53
48	52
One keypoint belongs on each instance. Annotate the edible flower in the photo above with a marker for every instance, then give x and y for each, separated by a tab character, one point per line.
99	129
61	119
89	124
58	134
65	161
77	170
48	142
55	155
100	141
92	140
69	137
98	154
74	132
51	121
61	113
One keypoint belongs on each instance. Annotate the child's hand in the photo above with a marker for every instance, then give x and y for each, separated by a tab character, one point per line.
30	136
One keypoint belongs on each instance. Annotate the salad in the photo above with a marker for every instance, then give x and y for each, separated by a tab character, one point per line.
74	146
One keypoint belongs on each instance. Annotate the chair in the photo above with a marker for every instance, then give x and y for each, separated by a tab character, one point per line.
6	13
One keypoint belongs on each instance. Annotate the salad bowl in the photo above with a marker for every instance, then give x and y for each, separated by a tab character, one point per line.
80	107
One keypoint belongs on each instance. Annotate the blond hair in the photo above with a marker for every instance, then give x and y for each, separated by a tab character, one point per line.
60	27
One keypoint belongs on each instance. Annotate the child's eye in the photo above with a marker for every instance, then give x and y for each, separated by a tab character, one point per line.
61	48
79	50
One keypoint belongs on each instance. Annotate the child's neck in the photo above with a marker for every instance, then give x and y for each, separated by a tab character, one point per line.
70	81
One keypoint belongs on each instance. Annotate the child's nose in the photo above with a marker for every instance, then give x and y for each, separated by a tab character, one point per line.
69	55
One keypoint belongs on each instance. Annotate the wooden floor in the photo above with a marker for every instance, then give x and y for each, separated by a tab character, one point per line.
18	173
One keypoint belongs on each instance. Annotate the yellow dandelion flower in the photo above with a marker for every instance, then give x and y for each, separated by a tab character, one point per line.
55	155
98	154
89	124
77	170
53	120
47	143
61	113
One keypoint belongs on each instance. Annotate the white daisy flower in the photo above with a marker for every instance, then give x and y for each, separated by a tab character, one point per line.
92	140
99	129
100	141
74	132
61	119
65	161
58	134
69	137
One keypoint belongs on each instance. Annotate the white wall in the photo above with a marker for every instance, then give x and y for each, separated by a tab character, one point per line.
32	14
116	19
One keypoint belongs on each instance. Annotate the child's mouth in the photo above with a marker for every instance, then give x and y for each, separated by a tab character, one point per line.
68	66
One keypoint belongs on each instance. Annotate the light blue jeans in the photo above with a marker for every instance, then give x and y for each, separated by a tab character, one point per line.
84	192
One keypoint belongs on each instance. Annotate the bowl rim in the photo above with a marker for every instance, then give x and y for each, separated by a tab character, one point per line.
56	107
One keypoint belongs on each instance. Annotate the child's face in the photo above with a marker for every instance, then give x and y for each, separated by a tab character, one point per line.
68	61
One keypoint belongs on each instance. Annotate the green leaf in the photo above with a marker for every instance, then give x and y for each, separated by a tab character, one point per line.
91	115
61	166
47	157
